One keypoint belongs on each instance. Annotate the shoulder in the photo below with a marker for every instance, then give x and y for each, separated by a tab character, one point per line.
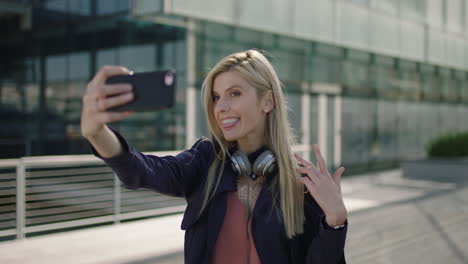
205	148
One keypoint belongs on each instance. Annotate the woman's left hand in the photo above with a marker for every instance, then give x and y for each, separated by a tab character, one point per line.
325	189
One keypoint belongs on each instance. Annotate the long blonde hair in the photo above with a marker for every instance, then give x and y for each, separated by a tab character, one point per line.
259	73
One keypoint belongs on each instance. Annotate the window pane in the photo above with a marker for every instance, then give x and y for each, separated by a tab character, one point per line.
435	9
415	9
454	15
324	69
390	6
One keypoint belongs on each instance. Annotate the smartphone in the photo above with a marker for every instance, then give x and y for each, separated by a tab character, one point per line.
152	91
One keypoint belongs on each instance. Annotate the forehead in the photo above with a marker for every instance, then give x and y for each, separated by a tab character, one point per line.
227	80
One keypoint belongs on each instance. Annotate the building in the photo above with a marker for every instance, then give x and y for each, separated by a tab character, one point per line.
371	81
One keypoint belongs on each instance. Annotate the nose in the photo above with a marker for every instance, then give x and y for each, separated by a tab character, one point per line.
222	105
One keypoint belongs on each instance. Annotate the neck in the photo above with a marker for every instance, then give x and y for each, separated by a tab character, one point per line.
249	147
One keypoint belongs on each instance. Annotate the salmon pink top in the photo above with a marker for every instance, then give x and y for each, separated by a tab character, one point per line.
235	244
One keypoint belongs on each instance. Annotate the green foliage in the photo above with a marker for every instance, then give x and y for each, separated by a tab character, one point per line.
449	145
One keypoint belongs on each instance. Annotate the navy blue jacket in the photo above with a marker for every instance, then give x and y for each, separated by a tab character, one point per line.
184	175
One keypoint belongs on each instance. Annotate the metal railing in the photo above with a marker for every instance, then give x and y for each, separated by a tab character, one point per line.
52	193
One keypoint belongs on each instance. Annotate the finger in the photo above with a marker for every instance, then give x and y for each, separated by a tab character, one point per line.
107	117
106	72
320	160
304	162
114	89
106	103
309	185
307	164
106	91
311	172
337	176
305	172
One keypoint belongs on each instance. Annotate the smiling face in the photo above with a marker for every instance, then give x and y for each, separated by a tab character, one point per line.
237	109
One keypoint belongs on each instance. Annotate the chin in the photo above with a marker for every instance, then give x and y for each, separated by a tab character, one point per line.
230	137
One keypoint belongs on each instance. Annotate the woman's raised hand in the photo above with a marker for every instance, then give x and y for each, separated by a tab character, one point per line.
325	189
99	97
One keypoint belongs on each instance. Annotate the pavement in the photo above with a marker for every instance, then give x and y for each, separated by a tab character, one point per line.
392	219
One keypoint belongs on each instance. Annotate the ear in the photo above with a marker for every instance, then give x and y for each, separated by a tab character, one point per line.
268	102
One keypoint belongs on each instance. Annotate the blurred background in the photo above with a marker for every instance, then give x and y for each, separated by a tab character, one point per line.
373	82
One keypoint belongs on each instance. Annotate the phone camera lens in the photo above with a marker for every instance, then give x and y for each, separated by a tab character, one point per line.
169	79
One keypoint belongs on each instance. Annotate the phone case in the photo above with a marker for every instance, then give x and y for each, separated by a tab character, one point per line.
152	90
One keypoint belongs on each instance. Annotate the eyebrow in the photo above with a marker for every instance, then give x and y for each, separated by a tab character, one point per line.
230	87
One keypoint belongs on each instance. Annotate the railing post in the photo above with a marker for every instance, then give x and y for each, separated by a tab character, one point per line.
117	200
20	199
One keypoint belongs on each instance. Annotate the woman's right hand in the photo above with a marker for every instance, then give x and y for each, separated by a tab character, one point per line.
99	97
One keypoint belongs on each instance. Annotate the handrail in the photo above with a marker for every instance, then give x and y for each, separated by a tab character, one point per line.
52	193
52	179
64	160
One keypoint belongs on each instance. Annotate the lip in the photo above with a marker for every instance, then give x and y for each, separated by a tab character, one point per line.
229	126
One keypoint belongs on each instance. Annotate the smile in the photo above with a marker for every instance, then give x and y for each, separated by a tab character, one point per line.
229	122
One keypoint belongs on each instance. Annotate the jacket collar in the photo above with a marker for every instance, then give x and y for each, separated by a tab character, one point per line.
229	179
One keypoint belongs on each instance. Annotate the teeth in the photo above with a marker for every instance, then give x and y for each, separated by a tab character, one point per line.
229	121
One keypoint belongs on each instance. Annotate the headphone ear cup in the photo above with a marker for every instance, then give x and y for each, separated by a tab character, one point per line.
265	164
241	164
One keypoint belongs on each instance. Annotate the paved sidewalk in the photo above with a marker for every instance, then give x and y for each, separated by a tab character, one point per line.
392	220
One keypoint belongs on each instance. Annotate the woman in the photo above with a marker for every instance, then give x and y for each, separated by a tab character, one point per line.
245	203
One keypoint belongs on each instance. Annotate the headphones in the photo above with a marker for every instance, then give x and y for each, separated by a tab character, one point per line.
264	165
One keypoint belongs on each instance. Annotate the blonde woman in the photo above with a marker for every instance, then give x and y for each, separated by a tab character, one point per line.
246	199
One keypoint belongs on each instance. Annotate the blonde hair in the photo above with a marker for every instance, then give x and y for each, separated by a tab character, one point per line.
259	73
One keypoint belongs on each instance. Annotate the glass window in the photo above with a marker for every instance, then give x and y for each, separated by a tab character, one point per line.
79	66
430	87
357	137
464	92
390	6
56	5
449	89
105	7
289	66
247	36
435	12
384	78
106	57
313	120
56	68
361	2
355	77
409	83
201	125
328	50
138	58
454	15
79	7
324	69
415	9
294	104
384	149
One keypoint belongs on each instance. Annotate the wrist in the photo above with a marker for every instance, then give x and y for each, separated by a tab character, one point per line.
106	143
336	219
95	135
332	227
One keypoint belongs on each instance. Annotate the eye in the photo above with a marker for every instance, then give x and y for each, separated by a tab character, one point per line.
214	98
235	93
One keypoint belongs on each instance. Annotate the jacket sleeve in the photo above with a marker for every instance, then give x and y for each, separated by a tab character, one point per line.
171	175
325	245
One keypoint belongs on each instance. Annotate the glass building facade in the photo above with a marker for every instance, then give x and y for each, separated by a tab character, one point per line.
367	108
